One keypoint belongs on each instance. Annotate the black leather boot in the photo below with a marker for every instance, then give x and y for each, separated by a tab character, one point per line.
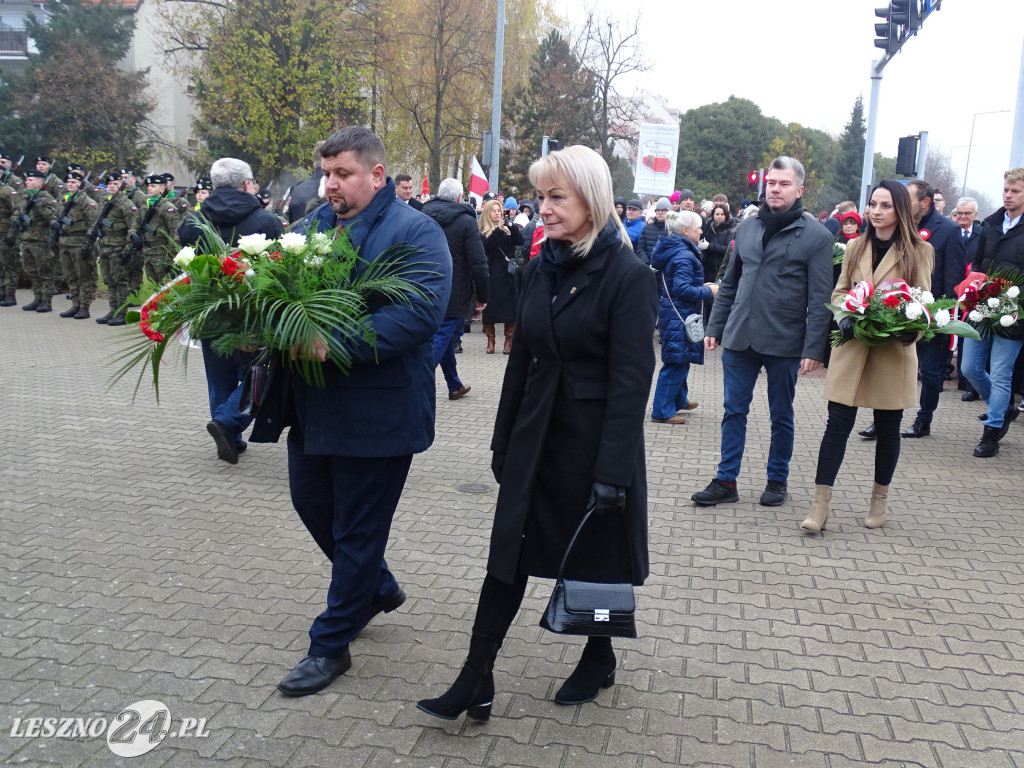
9	300
71	312
870	432
989	445
473	690
44	306
596	670
33	305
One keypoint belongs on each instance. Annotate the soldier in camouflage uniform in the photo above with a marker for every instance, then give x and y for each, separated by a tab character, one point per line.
51	183
116	227
10	259
7	173
158	241
35	247
80	214
131	189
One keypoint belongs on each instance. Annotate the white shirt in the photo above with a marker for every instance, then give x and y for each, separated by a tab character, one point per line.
1009	223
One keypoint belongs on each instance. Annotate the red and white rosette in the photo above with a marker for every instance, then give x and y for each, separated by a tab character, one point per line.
857	300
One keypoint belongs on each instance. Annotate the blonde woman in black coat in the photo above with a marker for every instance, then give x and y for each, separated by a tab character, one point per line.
501	238
570	424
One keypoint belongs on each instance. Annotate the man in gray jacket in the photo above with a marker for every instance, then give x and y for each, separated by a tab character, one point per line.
770	313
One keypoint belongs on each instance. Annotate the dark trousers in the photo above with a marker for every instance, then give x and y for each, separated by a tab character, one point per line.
347	504
224	378
931	362
837	432
447	336
739	376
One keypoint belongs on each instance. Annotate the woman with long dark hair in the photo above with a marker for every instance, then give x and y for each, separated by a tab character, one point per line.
569	429
883	377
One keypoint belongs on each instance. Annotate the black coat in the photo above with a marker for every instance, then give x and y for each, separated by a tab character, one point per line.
998	251
572	411
945	239
469	264
503	294
648	239
234	213
302	193
718	236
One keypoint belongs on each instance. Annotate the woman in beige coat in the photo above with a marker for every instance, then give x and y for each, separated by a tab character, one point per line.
884	377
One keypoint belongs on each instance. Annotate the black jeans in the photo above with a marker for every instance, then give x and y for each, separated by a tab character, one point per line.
837	431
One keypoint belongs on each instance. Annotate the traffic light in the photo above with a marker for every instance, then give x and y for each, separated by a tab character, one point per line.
888	32
752	178
906	156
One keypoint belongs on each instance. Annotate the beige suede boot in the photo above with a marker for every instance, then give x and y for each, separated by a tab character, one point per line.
821	505
879	506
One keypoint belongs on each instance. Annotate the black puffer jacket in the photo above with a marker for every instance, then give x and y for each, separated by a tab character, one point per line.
469	264
233	213
649	239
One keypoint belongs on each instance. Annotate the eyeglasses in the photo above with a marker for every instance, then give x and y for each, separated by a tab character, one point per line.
939	200
958	214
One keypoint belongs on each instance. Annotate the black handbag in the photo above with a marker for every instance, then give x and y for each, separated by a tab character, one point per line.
589	607
257	382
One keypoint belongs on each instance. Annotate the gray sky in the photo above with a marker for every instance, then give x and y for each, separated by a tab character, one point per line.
816	60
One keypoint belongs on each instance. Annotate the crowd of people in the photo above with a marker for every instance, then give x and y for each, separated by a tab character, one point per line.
578	282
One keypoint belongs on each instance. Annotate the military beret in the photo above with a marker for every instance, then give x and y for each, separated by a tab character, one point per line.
113	176
34	174
76	175
127	172
168	178
5	156
155	179
263	196
204	182
74	167
43	159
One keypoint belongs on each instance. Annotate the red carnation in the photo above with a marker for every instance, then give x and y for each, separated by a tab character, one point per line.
891	301
993	290
276	256
231	267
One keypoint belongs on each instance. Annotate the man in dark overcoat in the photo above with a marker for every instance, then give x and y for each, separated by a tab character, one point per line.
352	440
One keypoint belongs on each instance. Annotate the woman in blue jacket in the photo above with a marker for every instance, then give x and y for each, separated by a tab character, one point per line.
683	291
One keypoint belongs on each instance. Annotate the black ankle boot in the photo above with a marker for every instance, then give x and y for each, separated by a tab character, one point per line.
595	671
472	693
989	445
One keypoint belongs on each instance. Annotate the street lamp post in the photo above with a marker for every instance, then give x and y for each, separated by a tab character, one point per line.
967	165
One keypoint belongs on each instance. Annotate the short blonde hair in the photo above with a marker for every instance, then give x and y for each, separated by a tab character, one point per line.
484	223
586	172
1014	174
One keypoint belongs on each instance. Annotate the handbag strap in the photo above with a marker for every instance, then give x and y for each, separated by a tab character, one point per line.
669	297
572	542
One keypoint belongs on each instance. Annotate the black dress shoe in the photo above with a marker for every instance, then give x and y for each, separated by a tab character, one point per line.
969	396
314	673
386	604
918	429
226	450
870	433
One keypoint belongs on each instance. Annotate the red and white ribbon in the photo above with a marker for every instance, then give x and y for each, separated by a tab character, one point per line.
857	300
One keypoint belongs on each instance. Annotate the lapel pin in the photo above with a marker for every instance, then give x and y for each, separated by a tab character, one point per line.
572	290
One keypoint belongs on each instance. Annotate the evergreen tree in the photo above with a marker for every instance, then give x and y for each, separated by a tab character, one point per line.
850	158
73	98
557	101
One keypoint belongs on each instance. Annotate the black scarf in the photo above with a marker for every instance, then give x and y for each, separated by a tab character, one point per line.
558	261
776	222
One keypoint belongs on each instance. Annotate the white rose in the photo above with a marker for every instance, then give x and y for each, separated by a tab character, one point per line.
993	302
292	242
942	318
250	272
927	298
1006	321
320	243
1013	291
975	316
185	256
253	245
913	311
314	261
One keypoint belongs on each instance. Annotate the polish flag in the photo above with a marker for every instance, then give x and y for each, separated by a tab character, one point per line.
426	185
477	181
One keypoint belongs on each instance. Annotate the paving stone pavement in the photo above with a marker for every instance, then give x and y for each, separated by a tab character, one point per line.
136	566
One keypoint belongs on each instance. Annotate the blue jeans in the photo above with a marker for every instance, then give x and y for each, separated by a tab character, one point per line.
224	377
671	393
347	504
739	375
444	350
931	362
993	385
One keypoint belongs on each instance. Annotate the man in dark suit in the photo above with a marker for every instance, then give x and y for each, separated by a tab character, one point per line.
945	239
770	313
352	440
966	214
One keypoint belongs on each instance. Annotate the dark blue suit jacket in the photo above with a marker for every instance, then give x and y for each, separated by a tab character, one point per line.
950	255
385	405
972	244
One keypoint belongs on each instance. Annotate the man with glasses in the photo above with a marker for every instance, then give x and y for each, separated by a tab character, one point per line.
965	215
939	202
